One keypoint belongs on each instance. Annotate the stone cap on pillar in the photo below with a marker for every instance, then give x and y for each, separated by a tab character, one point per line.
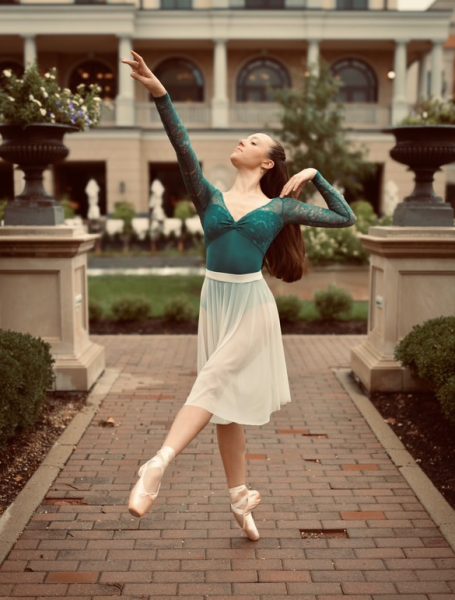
393	240
45	240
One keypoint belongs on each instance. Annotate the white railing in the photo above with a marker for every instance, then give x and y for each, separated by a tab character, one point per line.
193	114
257	114
365	114
246	114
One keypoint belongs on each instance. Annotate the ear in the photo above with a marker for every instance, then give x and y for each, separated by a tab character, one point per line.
268	164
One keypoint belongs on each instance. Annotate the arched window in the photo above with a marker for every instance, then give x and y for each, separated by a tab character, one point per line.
359	83
182	79
94	71
260	78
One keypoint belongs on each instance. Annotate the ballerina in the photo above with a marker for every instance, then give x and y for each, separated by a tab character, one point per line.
241	370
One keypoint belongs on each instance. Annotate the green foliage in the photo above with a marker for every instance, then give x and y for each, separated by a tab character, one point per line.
69	207
130	308
446	396
178	309
26	374
333	303
429	349
124	210
289	308
184	209
313	131
429	352
432	112
3	205
37	98
95	310
325	245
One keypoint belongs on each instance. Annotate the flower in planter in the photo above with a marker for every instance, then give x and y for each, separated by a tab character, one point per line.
37	98
432	112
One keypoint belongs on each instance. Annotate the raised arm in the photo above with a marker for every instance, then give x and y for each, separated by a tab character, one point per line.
199	189
339	213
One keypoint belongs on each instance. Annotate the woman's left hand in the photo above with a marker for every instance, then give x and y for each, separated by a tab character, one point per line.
296	183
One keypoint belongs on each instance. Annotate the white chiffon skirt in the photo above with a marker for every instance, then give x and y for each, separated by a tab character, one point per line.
241	368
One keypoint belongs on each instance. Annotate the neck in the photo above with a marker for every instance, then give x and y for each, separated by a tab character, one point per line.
247	182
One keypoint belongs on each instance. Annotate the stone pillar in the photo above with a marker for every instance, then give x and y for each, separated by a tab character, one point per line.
422	92
436	69
449	63
412	279
313	56
44	292
124	103
399	102
220	102
29	50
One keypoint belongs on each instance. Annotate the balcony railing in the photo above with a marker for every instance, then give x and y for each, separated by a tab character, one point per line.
245	114
193	114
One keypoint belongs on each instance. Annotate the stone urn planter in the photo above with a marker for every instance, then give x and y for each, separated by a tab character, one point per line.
33	148
424	149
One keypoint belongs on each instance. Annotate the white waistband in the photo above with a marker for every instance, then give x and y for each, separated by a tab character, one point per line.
234	277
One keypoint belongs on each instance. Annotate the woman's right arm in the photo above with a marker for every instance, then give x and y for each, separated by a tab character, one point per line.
198	187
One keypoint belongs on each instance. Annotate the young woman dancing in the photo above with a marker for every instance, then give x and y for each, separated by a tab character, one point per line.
242	376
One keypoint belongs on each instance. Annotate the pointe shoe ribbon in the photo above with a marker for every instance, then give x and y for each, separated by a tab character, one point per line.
243	514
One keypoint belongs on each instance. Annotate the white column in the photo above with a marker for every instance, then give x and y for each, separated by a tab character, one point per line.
29	50
313	56
449	61
399	102
124	103
423	77
436	70
220	101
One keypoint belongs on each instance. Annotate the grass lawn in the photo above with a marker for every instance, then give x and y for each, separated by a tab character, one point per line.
158	289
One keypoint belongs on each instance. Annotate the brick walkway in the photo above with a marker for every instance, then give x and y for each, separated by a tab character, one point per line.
83	543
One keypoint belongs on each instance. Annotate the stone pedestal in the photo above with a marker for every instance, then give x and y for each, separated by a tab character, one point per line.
43	292
412	279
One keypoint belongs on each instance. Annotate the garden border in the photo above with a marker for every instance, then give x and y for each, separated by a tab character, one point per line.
15	518
431	498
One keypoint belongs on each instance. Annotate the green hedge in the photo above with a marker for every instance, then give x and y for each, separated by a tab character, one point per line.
428	350
26	374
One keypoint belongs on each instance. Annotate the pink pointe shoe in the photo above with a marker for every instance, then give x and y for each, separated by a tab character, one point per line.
242	507
141	500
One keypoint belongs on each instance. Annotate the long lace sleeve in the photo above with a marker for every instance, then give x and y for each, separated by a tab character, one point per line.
199	189
339	213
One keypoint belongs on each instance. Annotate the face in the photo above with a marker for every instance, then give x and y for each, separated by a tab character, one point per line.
252	152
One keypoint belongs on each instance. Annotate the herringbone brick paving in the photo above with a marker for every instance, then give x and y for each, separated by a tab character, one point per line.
82	543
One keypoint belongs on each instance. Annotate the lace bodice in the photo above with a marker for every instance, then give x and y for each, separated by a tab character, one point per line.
239	246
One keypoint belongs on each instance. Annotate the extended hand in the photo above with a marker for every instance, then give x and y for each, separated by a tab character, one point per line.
296	183
144	75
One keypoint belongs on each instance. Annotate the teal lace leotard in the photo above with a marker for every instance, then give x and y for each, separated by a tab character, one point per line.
239	246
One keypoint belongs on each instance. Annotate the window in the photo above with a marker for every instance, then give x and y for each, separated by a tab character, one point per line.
94	71
359	83
259	79
264	4
352	4
177	4
182	78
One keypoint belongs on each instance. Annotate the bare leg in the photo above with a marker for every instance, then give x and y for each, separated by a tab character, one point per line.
232	445
188	422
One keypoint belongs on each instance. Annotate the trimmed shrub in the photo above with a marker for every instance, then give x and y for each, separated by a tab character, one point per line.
446	396
333	303
178	309
95	310
130	308
289	308
26	374
429	350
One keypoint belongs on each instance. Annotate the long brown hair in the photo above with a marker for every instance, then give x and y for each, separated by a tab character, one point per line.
285	258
